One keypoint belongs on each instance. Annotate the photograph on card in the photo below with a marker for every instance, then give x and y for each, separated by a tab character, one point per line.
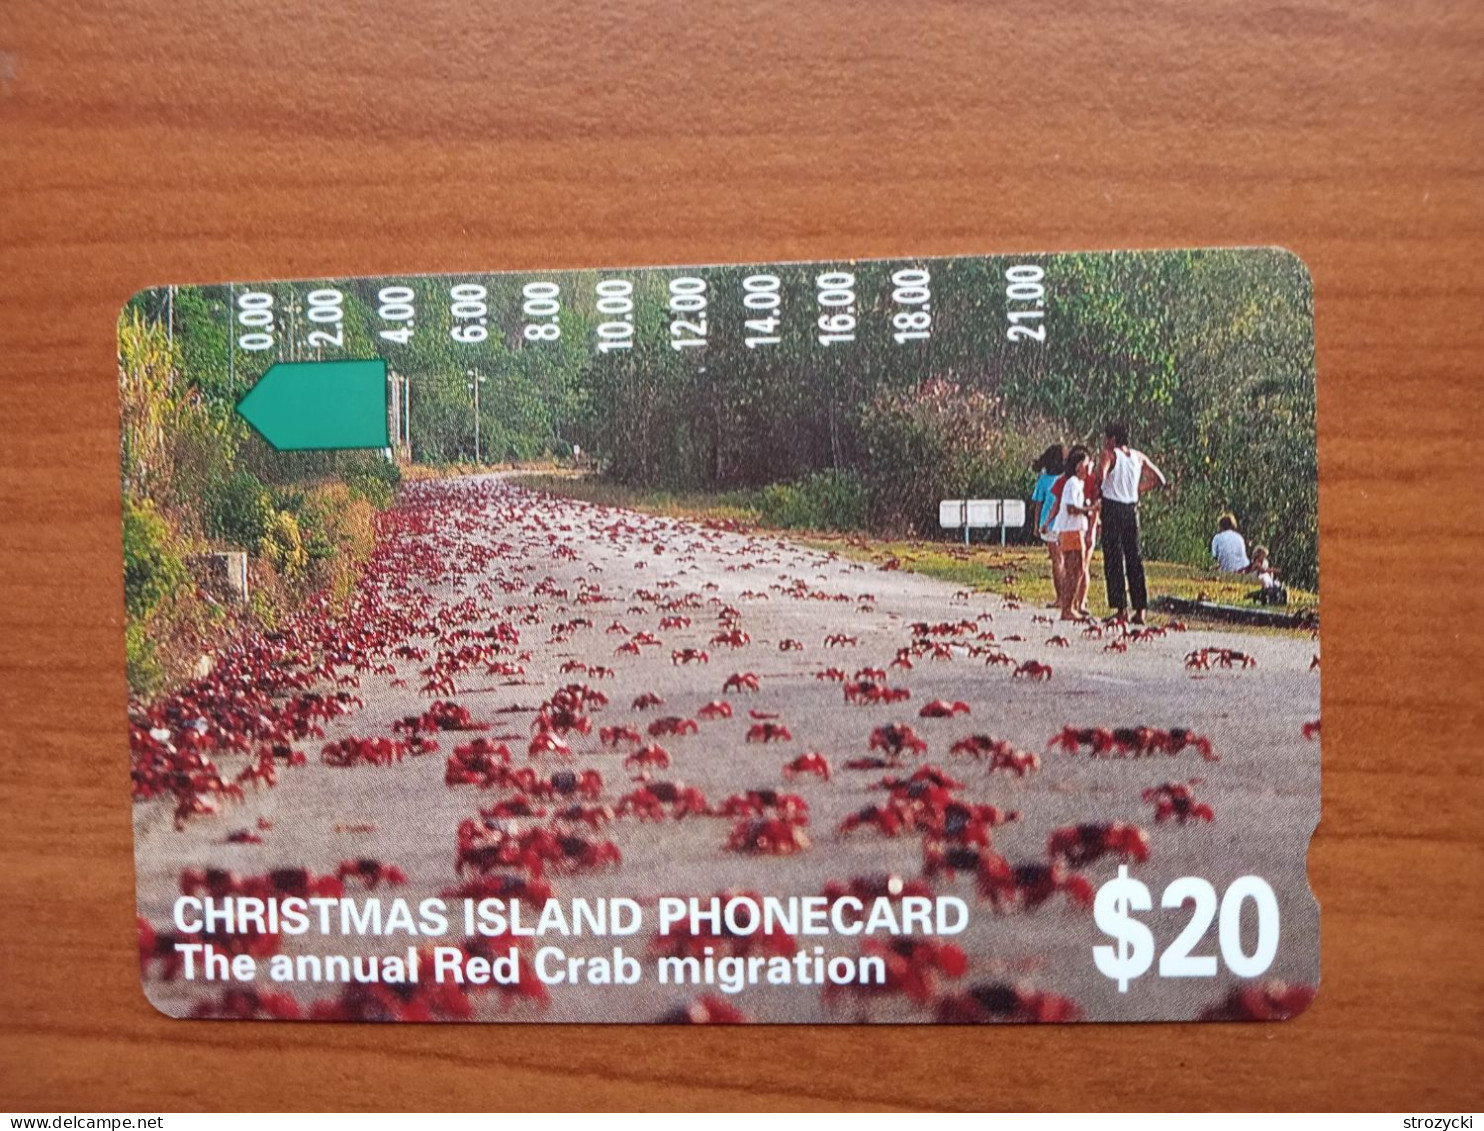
921	640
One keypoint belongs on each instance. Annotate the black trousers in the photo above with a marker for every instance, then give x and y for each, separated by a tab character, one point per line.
1121	553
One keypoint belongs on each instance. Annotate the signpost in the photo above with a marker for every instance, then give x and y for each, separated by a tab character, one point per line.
970	514
320	405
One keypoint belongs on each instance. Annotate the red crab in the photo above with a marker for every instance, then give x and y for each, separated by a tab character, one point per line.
647	700
511	807
672	725
1174	799
1072	739
980	746
561	717
371	872
1268	1000
914	967
716	709
689	656
888	820
963	822
1177	739
991	1002
943	709
612	736
708	1009
740	681
652	755
1024	886
873	691
352	751
480	762
1017	762
503	885
593	816
547	743
1083	844
648	802
769	732
811	763
896	739
767	836
759	802
563	783
241	1003
1032	669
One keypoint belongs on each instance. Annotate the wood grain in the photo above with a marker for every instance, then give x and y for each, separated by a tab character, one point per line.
143	142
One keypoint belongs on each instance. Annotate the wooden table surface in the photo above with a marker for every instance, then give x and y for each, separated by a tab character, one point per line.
143	142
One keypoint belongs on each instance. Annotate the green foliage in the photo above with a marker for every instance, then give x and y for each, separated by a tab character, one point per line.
825	500
941	441
145	672
153	568
196	477
150	400
1207	356
237	510
374	479
283	545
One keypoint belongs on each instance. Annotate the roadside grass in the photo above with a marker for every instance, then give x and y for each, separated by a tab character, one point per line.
1017	571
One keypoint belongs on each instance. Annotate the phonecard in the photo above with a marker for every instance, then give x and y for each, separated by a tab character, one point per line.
918	640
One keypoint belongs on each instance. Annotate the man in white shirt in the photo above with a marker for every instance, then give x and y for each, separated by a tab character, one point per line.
1123	472
1229	548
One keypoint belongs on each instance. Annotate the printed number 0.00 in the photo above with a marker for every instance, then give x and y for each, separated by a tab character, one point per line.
255	311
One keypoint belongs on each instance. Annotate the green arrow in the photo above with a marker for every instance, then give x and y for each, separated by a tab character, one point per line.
319	405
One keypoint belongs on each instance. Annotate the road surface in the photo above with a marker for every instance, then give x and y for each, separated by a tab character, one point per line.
537	561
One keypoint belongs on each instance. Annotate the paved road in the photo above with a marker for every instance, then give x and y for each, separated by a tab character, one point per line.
524	549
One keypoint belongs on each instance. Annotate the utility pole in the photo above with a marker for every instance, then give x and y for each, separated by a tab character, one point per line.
476	379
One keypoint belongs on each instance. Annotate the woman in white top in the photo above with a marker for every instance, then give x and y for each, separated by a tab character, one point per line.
1070	525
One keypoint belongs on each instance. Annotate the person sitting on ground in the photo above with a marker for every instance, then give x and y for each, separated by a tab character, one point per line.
1229	548
1272	592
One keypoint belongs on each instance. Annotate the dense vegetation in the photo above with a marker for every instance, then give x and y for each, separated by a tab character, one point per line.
1208	356
197	479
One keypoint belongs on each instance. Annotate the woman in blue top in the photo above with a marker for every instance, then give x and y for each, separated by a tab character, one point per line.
1050	465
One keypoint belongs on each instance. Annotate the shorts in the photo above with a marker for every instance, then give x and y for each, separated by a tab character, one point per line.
1070	540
